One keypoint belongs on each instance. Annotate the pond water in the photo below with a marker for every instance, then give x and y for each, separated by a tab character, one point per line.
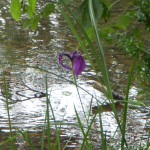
28	58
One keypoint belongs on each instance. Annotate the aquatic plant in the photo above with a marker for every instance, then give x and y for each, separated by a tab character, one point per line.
78	63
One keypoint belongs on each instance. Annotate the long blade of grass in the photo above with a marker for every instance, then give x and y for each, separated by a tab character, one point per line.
26	138
43	134
74	79
102	133
82	130
148	143
8	140
57	142
88	130
48	117
126	106
102	66
104	69
90	109
6	93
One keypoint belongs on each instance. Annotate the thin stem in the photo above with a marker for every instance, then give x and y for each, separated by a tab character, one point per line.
74	79
47	116
49	105
6	92
126	106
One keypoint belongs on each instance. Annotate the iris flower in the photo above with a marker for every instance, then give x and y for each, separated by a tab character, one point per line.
78	63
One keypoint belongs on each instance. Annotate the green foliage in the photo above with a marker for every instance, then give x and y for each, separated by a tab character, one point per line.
15	9
28	7
31	23
123	21
26	138
100	11
127	32
32	5
47	10
32	16
17	6
134	46
143	12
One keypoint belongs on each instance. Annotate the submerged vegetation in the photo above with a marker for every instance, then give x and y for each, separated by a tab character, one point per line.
95	24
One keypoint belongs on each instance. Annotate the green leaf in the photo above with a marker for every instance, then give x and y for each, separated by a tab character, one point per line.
32	4
26	23
31	23
34	22
98	9
106	13
15	9
80	10
47	10
86	22
29	11
30	8
83	12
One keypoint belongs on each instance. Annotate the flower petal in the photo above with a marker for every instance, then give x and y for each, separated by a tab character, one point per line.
78	64
60	57
73	54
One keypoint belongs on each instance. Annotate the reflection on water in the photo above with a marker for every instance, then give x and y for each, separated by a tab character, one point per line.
27	85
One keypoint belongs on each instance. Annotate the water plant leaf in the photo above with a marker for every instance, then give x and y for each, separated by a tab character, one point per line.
47	10
15	9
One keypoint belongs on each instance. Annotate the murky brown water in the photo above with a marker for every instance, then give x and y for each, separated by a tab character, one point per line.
20	49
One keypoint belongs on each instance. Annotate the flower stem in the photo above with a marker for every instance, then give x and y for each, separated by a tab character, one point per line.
75	82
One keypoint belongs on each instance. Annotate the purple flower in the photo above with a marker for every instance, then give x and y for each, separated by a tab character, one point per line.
78	63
